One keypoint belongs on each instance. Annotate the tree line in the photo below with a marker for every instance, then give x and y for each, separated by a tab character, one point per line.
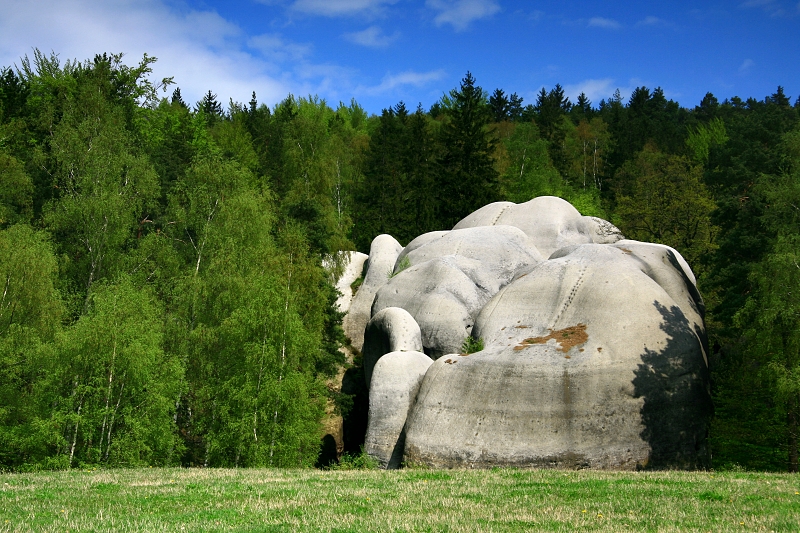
167	268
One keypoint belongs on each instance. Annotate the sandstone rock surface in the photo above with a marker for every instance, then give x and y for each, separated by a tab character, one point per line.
354	266
397	379
602	231
382	255
391	330
594	357
550	222
451	276
590	363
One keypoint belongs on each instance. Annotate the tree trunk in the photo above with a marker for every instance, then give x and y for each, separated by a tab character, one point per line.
113	417
283	358
75	434
109	390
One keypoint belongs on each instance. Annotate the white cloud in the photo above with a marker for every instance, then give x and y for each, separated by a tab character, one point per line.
200	49
608	24
335	8
393	81
372	37
604	88
459	13
746	65
595	90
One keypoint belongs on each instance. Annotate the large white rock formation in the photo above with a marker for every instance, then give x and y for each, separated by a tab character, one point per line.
376	271
594	346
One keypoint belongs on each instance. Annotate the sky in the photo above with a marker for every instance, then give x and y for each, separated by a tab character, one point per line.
381	52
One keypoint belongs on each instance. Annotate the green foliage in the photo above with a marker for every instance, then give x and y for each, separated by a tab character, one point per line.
359	461
187	337
468	179
16	191
197	237
588	202
356	284
28	271
752	421
397	194
525	167
471	345
586	148
662	198
104	184
770	318
702	138
30	314
402	265
115	387
551	109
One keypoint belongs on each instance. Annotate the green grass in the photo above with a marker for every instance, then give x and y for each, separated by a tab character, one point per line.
404	500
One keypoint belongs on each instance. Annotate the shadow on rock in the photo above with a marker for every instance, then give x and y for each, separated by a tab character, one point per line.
677	405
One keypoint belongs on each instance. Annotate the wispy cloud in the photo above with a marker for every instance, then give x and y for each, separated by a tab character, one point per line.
746	66
535	15
653	21
372	37
605	23
276	48
394	81
773	8
336	8
460	13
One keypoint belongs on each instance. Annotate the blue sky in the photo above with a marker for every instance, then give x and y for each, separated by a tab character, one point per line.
383	51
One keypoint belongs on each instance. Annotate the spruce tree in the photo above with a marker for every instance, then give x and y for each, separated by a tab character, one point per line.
500	106
468	179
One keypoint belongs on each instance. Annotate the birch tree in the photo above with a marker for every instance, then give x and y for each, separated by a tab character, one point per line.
116	384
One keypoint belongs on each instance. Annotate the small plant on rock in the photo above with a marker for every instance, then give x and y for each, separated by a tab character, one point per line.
402	265
471	345
356	284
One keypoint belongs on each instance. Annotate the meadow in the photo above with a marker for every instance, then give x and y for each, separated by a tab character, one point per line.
499	500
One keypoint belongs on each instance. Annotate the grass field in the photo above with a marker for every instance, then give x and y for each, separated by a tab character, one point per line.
404	500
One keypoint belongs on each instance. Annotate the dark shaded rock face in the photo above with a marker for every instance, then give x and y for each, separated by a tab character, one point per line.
592	358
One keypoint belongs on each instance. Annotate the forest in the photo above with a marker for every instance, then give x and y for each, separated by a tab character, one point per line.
167	268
